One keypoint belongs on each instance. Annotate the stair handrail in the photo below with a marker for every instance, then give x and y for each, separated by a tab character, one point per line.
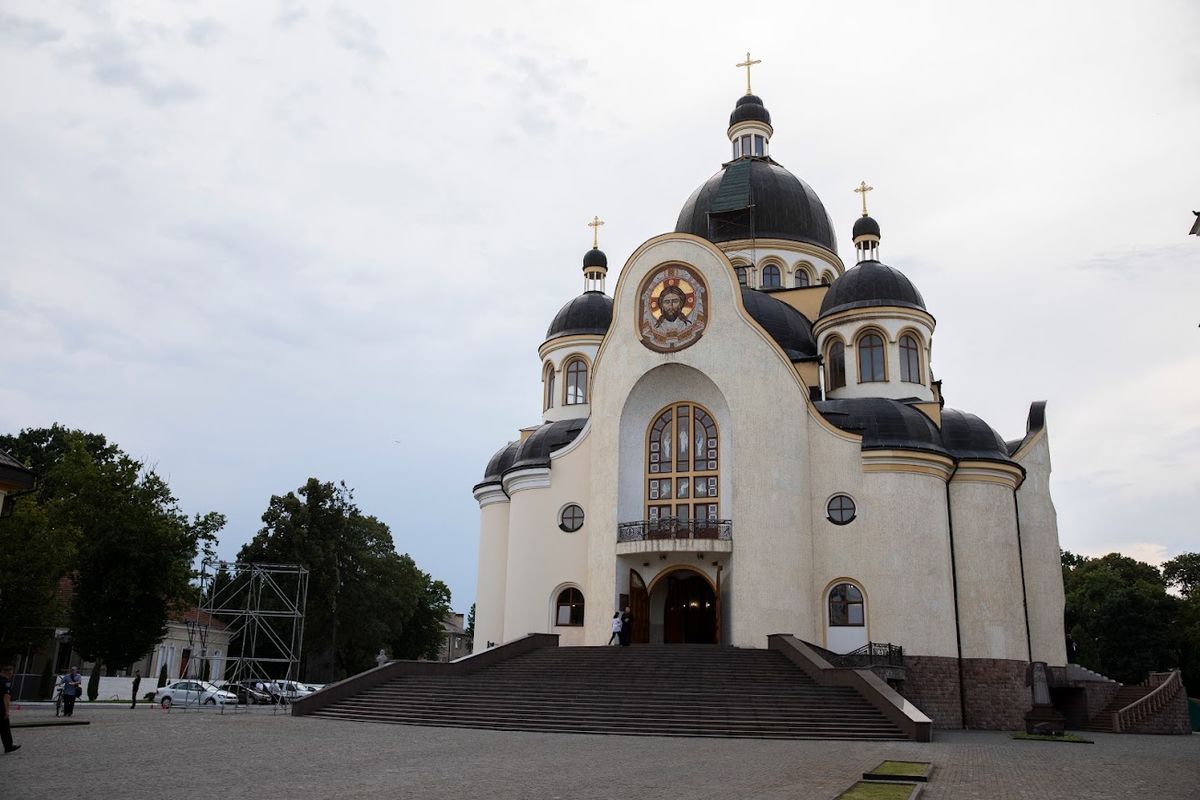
1148	705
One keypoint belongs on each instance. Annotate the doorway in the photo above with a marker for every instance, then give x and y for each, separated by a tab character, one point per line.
683	608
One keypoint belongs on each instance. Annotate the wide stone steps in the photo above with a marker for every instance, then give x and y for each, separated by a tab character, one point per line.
1102	722
671	690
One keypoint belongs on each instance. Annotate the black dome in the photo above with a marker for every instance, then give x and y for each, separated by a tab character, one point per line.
884	424
871	284
595	258
967	436
865	226
591	312
749	107
498	463
536	449
787	326
757	197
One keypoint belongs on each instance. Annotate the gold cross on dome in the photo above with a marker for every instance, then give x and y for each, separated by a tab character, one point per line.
747	64
595	226
863	189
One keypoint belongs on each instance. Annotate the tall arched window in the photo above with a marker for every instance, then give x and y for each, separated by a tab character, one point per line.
910	359
826	279
682	464
802	278
741	274
771	277
548	401
870	358
577	377
568	608
846	606
835	370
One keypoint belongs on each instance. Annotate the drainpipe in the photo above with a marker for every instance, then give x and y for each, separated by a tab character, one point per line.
1021	560
962	688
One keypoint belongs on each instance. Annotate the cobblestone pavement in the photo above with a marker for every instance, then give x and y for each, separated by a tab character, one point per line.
150	753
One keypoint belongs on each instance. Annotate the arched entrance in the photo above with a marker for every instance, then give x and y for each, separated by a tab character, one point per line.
683	609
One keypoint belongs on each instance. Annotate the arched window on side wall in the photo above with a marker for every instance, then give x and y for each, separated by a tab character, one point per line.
846	607
548	400
742	272
577	378
870	358
835	370
802	278
770	278
910	359
569	607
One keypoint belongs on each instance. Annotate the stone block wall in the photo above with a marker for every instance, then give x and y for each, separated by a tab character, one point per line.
931	683
997	696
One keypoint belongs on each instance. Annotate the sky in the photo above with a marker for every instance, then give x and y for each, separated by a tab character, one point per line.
257	242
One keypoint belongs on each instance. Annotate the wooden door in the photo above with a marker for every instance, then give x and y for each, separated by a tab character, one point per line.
639	605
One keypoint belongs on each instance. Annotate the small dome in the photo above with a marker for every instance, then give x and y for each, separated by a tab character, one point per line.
749	107
595	258
866	226
790	329
967	436
591	312
755	197
884	424
536	449
871	284
502	460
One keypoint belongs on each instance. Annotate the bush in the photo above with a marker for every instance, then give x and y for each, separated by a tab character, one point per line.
46	684
93	690
162	676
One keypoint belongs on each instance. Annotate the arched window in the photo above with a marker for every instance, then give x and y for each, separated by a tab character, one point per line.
569	607
802	278
910	359
741	274
870	358
835	370
826	279
576	382
682	465
548	402
846	606
771	277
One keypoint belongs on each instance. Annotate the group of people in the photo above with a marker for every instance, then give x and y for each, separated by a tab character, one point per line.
622	627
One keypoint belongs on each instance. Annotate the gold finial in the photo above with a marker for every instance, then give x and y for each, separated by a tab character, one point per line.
863	189
747	64
595	226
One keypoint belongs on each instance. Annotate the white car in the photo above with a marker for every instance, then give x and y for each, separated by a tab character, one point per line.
291	690
193	693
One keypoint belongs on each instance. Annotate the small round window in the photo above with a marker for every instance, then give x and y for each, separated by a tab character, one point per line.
571	518
841	509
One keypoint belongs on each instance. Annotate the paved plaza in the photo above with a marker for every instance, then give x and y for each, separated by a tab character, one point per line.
150	753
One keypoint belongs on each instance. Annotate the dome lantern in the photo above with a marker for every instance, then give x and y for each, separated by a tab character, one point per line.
750	123
595	263
866	230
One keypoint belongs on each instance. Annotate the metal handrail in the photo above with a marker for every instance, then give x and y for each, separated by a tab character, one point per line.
1146	707
872	654
675	528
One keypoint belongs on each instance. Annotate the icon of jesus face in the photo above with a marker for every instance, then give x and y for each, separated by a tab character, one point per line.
671	302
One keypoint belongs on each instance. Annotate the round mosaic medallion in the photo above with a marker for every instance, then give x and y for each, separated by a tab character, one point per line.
672	308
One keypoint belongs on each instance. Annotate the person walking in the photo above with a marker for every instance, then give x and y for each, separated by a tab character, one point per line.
72	688
137	681
616	628
6	675
626	626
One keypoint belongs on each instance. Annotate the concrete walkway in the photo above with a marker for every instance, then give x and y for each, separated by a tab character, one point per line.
148	753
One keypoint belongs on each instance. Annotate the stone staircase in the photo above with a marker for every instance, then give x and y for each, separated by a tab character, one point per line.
1103	721
644	690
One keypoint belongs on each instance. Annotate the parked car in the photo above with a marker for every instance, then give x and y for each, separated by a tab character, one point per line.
246	695
292	690
192	693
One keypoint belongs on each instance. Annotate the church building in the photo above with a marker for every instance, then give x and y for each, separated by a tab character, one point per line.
747	437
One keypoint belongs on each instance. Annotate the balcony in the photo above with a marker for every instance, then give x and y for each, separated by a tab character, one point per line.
670	534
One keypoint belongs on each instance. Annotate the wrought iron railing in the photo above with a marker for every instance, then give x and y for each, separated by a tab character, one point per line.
675	528
872	654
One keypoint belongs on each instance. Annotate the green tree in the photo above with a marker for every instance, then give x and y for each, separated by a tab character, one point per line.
1120	616
362	595
93	684
118	533
1183	573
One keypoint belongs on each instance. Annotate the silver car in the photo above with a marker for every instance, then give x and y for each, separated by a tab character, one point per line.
189	692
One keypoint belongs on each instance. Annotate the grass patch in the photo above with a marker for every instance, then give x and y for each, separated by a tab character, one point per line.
907	769
865	790
1039	737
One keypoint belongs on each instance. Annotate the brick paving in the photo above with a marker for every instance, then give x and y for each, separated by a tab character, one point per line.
149	753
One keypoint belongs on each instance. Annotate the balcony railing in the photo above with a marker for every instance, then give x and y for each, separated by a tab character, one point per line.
872	654
675	528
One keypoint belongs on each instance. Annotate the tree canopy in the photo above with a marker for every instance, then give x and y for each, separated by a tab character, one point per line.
362	595
109	526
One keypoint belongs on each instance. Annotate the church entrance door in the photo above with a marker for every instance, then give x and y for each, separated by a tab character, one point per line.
690	610
639	605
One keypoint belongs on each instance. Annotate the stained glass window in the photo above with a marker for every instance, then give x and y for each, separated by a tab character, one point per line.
681	463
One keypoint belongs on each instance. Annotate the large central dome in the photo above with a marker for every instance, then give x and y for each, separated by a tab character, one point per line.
753	196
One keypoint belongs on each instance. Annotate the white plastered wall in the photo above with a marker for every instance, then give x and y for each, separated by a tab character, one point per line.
765	454
789	259
557	354
849	330
493	566
1040	549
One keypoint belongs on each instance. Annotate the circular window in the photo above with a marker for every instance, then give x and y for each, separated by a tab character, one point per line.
841	509
571	518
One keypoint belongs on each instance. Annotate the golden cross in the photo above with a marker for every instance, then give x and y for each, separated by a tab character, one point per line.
747	64
595	226
863	189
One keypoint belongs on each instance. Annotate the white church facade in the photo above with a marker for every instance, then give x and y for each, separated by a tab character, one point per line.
747	438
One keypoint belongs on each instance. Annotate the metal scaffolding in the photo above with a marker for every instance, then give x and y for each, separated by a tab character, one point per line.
261	607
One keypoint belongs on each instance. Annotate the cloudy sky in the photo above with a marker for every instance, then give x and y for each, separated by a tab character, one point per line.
257	242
